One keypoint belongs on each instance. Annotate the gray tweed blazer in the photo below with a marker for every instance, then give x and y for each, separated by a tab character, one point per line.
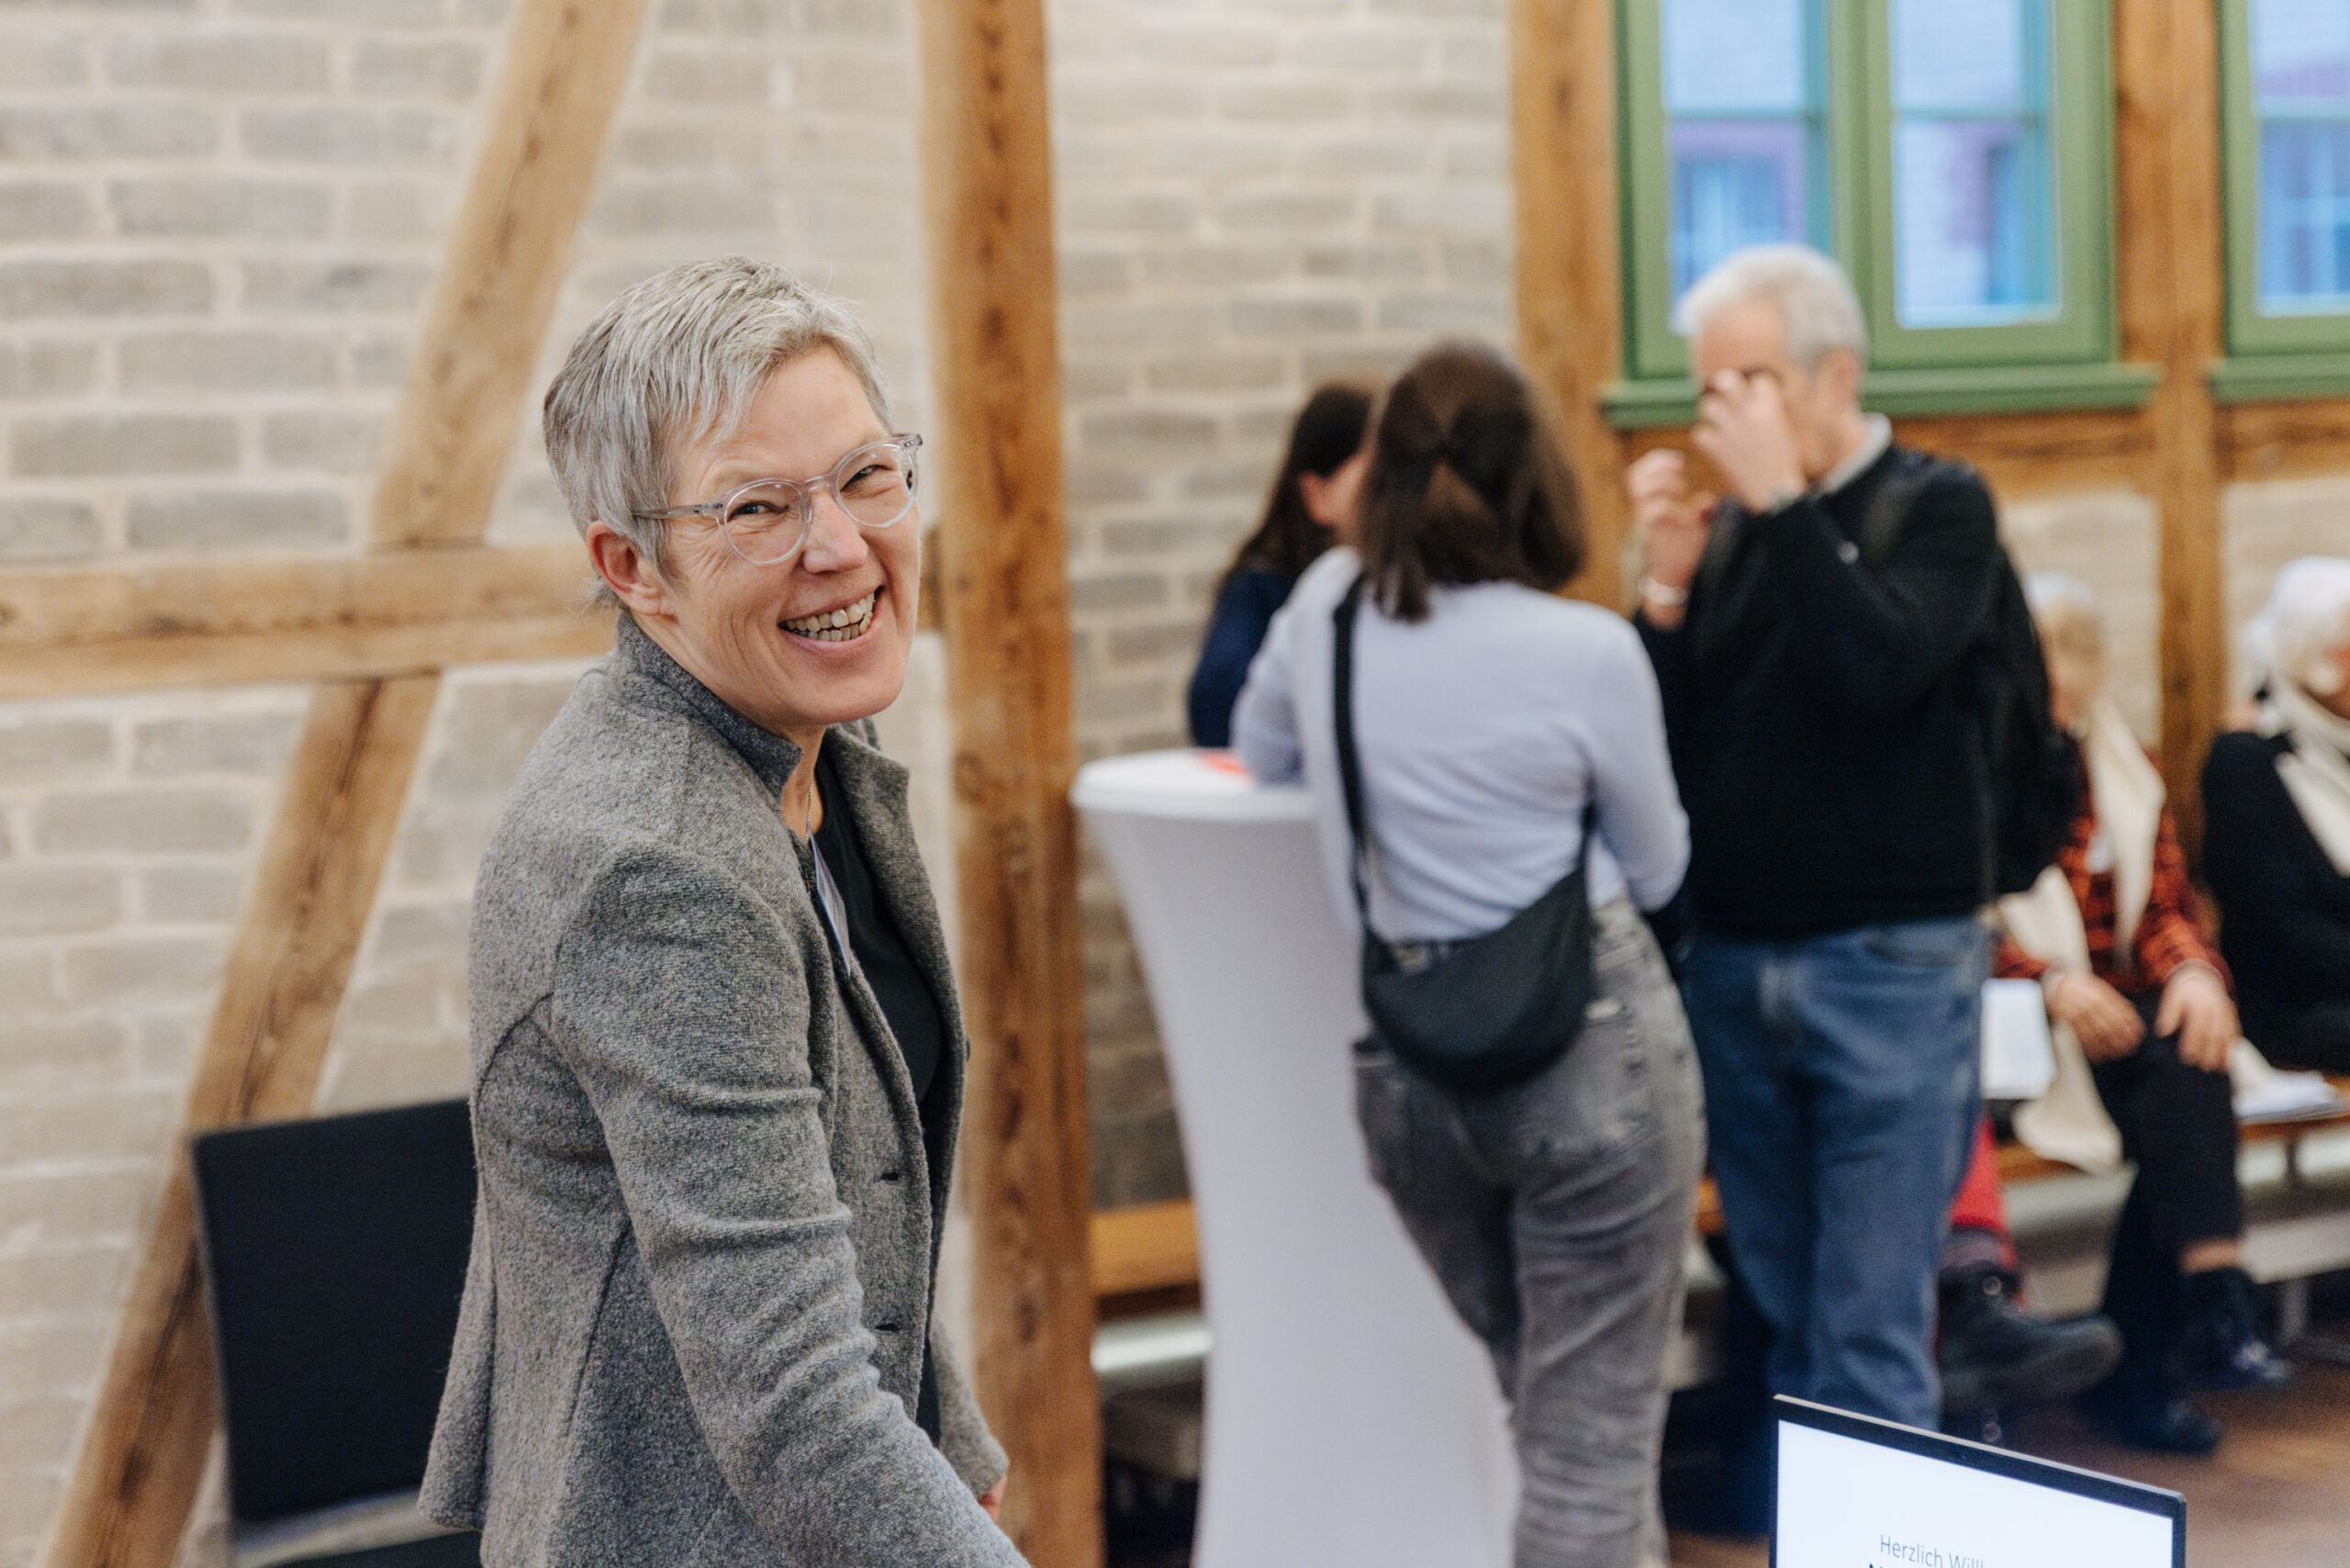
707	1234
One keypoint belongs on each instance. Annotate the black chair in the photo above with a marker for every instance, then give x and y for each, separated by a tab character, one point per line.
335	1250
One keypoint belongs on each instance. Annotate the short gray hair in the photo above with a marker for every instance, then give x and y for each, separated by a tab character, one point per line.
2301	636
676	359
1813	296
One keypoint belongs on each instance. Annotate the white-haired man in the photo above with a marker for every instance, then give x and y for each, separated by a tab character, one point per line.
1814	637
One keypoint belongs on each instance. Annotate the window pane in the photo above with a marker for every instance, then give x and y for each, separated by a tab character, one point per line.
1743	127
1972	244
1734	56
2300	59
1965	56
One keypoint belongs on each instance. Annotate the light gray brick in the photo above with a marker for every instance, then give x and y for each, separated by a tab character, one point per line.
86	1128
134	444
34	132
48	1358
354	14
1391	262
27	1500
1089	593
41	1053
237	520
37	899
53	750
215	62
334	135
141	821
104	288
163	1050
225	361
449	71
485	732
382	363
249	745
1295	318
1288	208
1449	313
48	368
705	79
34	1431
327	443
1162	433
212	209
34	210
1481	208
394	287
27	987
145	968
71	1282
193	894
390	212
50	62
33	529
1217	373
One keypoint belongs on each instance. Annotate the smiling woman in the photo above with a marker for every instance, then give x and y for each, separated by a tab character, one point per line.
717	1058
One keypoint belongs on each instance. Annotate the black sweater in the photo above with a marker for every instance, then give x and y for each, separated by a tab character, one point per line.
1821	711
2285	911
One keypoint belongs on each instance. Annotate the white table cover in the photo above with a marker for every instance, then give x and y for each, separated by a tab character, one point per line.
1352	1421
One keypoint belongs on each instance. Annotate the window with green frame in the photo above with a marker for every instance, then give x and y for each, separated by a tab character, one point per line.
1955	157
2284	91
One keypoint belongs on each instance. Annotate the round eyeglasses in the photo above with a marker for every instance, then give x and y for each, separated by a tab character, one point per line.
768	521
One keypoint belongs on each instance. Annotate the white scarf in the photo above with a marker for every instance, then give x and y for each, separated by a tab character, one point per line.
2069	1121
2316	769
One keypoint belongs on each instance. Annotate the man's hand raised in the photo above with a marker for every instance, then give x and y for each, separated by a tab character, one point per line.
1674	525
1743	425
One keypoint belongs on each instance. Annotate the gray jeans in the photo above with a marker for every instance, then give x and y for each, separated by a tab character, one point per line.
1556	1214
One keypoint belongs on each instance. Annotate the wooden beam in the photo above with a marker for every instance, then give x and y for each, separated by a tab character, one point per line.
566	62
293	618
2285	441
2170	271
134	1477
1562	87
987	167
143	1454
1147	1247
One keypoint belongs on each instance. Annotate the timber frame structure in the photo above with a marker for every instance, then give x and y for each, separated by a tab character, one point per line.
375	630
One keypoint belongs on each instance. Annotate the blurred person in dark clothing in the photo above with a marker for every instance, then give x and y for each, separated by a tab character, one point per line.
1310	508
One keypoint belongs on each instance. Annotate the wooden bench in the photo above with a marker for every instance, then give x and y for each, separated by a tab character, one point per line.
1146	1259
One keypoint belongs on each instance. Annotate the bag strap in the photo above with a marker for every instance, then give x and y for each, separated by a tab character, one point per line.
1342	700
1342	695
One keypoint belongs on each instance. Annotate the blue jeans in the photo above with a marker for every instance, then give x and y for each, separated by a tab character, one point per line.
1841	1099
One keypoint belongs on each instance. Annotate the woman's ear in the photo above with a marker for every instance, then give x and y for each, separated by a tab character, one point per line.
626	570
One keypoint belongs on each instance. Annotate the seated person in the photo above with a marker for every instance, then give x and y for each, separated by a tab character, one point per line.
2277	827
2113	934
1310	508
1992	1354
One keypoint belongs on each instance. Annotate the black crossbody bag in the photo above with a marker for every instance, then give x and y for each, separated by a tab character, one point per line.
1483	1013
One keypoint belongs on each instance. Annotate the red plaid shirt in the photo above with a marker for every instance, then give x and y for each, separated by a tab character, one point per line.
2172	931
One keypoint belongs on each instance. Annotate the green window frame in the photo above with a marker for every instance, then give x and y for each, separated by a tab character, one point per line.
2063	359
2270	357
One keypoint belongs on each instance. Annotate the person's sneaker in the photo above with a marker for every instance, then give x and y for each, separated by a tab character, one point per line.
1994	1354
2220	1344
2138	1417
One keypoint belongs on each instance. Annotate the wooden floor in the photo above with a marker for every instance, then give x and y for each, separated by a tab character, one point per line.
2275	1495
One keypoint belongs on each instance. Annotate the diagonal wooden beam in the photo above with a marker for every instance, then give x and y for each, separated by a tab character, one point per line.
566	62
296	618
143	1453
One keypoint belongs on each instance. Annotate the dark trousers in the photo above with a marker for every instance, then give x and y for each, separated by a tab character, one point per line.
2178	1125
2314	1040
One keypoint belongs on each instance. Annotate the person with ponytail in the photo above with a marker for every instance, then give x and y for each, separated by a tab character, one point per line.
1493	720
1310	508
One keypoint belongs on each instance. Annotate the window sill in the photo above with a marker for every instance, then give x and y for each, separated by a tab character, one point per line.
2279	377
1971	389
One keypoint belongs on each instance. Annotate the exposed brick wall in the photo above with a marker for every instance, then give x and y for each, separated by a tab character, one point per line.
127	829
1254	195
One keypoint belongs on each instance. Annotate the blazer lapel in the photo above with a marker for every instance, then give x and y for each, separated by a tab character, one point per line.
877	788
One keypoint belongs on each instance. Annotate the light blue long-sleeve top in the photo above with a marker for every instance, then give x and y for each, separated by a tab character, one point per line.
1482	731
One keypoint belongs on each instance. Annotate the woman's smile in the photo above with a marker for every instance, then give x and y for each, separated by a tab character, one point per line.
845	624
